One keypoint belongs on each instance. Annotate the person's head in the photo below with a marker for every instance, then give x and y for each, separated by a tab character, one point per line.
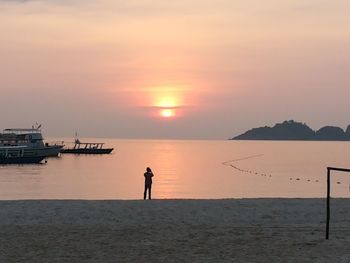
148	170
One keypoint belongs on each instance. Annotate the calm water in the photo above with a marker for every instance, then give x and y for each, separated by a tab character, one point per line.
185	169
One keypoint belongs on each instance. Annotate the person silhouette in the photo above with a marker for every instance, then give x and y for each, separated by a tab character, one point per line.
148	183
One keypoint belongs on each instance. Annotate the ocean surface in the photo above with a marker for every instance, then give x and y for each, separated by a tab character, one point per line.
185	169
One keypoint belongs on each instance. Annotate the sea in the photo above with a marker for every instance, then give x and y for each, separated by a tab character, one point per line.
185	169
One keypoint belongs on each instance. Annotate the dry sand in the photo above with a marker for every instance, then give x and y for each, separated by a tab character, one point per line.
246	230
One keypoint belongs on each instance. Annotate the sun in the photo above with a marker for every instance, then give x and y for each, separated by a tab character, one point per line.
167	113
166	101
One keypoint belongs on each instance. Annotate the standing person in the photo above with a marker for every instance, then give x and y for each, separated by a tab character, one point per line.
148	183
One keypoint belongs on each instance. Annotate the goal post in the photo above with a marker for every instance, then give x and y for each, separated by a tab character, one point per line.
329	169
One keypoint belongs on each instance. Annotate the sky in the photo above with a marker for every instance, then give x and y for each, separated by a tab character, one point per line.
186	69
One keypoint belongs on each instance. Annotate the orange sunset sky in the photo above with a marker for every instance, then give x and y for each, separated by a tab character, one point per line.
173	69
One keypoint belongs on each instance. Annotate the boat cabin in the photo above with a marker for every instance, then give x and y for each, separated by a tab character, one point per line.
16	137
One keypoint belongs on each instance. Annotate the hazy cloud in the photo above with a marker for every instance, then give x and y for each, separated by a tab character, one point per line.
43	1
93	63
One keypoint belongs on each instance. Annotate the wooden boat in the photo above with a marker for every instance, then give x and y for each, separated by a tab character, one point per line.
87	148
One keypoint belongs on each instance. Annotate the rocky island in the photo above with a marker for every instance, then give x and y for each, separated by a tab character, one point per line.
292	130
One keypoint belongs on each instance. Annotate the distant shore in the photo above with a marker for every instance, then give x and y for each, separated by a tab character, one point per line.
295	131
227	230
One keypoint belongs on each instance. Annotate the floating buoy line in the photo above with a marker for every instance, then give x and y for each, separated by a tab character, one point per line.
232	164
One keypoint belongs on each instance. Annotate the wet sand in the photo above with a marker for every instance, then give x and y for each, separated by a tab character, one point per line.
231	230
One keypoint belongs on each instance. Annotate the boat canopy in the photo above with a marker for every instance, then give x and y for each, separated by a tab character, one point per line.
88	145
21	131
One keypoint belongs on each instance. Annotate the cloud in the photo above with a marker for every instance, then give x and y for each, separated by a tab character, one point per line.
45	2
164	107
15	1
48	1
43	6
140	8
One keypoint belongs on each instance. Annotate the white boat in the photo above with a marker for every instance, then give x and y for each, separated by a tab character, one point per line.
31	139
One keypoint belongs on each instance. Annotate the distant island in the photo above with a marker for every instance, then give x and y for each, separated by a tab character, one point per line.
292	130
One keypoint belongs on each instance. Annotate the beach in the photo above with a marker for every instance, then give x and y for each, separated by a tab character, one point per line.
226	230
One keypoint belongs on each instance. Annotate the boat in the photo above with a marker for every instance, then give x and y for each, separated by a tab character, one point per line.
32	139
87	148
19	155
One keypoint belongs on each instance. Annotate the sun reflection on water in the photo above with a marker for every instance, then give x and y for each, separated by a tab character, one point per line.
167	160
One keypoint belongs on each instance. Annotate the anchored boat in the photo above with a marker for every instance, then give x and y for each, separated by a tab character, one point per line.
32	139
87	148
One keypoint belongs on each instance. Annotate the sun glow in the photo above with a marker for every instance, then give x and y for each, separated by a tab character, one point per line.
167	96
166	100
167	113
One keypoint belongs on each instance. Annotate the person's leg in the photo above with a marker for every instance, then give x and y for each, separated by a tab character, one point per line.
149	191
145	193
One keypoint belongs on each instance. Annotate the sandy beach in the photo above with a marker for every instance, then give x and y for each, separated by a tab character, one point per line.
232	230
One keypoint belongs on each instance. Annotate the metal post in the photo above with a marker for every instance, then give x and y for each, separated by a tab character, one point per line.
328	200
329	169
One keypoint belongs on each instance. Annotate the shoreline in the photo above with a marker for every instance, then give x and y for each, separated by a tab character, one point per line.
180	230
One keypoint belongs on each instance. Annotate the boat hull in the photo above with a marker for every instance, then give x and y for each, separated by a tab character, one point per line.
88	151
50	151
22	160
